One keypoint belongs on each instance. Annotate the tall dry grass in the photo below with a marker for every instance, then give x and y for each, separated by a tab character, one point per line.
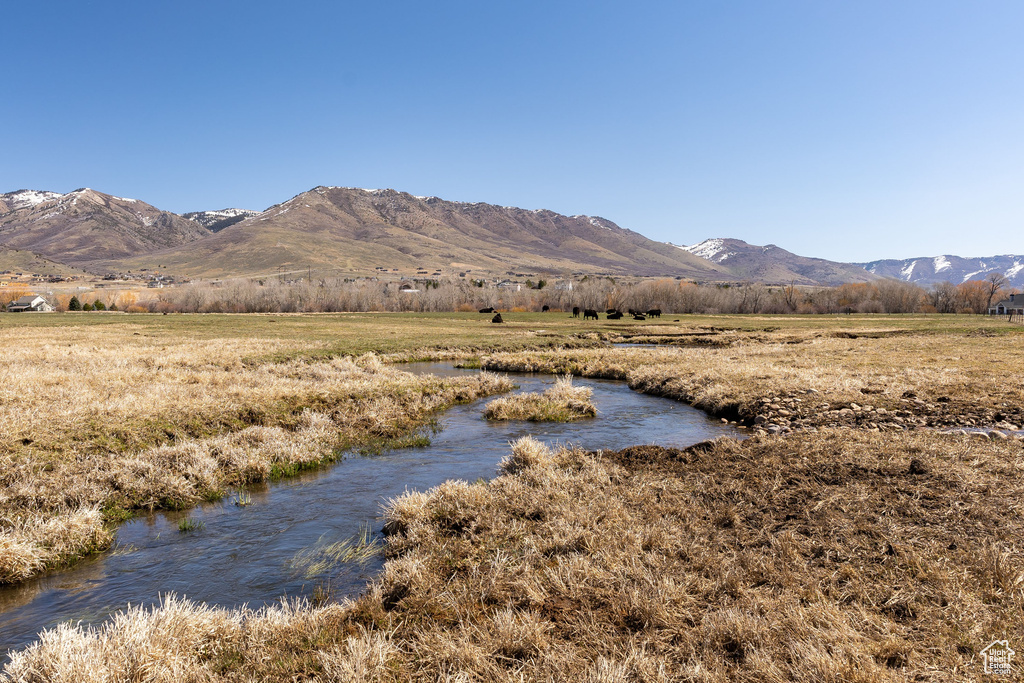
837	556
923	378
119	427
561	403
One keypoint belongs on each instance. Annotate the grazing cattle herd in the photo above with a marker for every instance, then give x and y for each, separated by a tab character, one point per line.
588	313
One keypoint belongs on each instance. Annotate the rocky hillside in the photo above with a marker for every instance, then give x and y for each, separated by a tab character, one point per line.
83	227
357	231
773	265
932	269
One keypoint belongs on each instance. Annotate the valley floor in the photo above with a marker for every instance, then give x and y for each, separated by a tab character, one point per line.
848	539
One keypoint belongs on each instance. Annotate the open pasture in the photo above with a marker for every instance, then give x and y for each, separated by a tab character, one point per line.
848	540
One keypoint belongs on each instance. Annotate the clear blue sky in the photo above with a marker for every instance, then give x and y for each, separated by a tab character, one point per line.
845	130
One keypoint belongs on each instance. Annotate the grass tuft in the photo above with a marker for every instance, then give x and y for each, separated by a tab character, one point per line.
323	557
561	403
188	525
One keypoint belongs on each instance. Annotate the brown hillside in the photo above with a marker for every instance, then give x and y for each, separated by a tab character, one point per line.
356	230
17	261
84	226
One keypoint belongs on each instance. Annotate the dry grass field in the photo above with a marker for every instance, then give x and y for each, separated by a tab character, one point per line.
103	419
847	540
886	372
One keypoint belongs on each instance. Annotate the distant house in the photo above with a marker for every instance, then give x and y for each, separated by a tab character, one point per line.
1011	306
30	302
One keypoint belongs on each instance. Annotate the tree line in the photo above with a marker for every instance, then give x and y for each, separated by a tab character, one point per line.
599	293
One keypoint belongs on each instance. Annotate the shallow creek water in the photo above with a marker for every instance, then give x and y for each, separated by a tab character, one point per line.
246	555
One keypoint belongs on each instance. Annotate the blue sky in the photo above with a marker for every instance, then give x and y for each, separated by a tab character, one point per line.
850	131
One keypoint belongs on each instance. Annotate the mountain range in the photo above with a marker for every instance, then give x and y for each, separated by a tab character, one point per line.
948	268
769	263
359	232
84	226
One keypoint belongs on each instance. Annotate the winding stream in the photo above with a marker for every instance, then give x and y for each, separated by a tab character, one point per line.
245	555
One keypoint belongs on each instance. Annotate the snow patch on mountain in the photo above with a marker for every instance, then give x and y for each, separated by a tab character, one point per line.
941	263
221	218
908	271
230	213
970	276
596	222
713	250
28	198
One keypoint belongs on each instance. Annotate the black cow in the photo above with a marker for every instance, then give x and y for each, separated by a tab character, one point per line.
610	311
589	313
487	310
497	318
615	315
654	313
639	316
575	311
544	309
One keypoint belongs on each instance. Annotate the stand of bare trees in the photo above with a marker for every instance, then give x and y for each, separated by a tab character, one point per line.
672	296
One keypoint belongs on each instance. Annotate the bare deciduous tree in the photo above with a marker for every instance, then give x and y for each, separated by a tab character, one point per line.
994	282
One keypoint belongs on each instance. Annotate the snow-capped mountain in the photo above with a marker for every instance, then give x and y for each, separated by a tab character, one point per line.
929	270
774	265
22	199
215	221
86	225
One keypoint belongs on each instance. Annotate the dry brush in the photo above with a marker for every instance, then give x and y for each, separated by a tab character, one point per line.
838	556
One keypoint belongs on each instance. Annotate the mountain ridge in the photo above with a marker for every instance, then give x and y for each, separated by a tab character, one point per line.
928	270
84	225
772	264
358	230
364	231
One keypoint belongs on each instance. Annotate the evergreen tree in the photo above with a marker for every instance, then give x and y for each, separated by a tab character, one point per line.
74	304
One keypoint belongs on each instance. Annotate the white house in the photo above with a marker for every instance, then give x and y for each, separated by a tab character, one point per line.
1008	306
30	302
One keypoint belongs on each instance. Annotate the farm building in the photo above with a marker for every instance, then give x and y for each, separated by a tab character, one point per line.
1008	306
29	302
